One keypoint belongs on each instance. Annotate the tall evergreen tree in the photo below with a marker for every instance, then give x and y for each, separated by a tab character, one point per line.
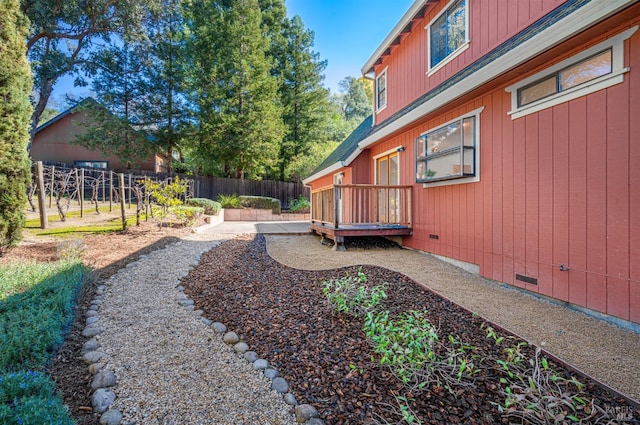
237	114
163	88
306	102
15	110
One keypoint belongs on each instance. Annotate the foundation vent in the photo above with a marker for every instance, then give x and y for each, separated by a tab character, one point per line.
526	279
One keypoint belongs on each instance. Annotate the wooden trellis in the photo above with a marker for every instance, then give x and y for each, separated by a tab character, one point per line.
65	186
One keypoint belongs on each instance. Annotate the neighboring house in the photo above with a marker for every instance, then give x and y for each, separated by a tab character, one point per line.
52	143
506	138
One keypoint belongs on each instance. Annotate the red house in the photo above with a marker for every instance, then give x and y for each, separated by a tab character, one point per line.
53	143
505	137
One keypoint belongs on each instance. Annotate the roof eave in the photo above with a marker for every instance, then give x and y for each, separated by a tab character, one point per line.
578	21
395	33
330	169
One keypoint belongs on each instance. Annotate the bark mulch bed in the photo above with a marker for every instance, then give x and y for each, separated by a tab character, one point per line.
283	316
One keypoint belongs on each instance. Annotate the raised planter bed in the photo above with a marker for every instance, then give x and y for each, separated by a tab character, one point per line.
255	214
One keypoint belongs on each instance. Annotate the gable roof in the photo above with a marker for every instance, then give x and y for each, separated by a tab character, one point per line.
69	111
340	156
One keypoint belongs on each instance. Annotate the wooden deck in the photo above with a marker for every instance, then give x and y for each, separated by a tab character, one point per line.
361	210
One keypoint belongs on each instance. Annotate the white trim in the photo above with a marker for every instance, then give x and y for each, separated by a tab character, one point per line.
475	112
473	179
464	46
448	59
395	32
395	150
330	169
616	44
390	151
386	90
341	173
583	18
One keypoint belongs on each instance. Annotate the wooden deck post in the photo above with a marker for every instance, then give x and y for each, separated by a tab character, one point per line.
336	207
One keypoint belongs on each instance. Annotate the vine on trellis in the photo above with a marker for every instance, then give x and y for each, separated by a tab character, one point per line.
67	185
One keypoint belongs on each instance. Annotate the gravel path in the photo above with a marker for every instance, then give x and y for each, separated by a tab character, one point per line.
171	367
606	352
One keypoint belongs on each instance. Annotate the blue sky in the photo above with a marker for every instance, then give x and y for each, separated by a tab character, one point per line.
347	32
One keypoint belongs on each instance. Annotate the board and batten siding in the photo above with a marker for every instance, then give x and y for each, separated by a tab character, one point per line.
490	24
557	187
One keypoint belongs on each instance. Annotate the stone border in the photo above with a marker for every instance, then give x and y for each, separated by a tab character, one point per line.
304	413
104	380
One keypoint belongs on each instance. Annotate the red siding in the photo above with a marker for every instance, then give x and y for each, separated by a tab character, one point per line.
490	23
557	187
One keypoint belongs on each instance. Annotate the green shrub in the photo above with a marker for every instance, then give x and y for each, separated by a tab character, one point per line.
262	202
15	110
33	323
229	201
186	214
36	311
29	398
210	206
301	205
166	195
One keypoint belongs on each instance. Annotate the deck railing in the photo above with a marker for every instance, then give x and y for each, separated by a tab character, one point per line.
361	204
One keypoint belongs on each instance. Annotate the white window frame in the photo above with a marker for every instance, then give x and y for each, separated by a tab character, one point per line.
458	180
616	76
398	149
464	46
386	90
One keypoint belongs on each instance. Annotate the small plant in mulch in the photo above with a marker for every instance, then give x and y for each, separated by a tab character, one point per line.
535	393
411	347
166	195
349	294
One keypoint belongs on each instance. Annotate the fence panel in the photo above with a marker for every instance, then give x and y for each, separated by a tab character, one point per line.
205	186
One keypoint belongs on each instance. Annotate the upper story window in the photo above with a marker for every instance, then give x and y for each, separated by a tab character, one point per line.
450	151
579	73
381	90
448	34
594	69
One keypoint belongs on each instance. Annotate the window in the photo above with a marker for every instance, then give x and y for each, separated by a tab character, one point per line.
448	34
572	76
91	164
449	152
593	69
381	90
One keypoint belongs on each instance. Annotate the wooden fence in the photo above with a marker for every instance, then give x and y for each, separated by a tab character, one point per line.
210	187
